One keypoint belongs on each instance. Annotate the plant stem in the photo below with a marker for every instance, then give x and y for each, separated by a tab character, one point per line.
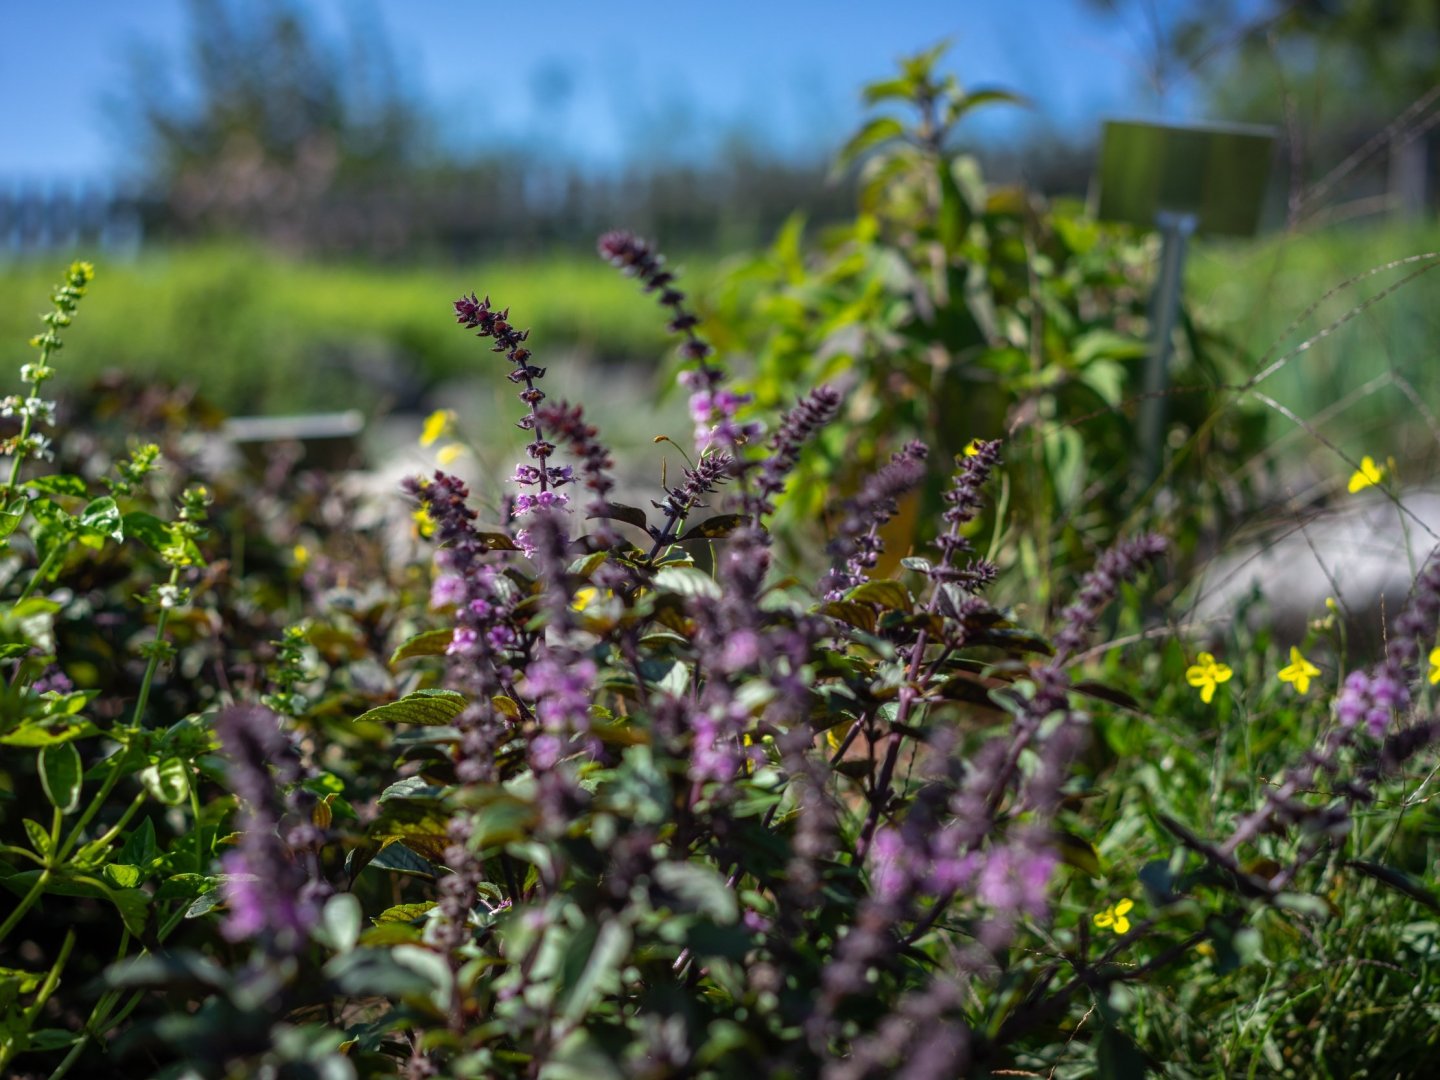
40	572
26	903
8	1049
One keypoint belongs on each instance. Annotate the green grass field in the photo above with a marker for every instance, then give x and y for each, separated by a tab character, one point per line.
1351	381
261	333
258	332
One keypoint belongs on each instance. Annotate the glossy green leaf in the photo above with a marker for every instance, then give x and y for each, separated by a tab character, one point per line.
102	517
886	594
403	913
39	836
424	707
59	484
630	515
428	643
147	528
12	514
60	774
688	582
167	781
714	528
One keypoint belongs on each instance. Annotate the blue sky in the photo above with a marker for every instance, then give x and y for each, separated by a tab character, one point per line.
602	82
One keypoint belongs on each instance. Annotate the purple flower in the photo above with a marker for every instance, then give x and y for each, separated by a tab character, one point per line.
259	905
796	428
446	590
53	679
856	546
561	693
1016	879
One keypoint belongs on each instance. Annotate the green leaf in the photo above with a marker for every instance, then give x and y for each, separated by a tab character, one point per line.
497	541
853	614
885	594
888	90
599	957
631	515
428	643
173	970
403	913
977	98
167	781
102	517
699	888
60	775
399	859
38	733
140	846
954	211
1103	343
122	875
39	836
12	514
425	707
147	528
1078	852
204	904
50	1039
377	973
340	922
687	581
12	649
185	886
58	484
714	528
880	130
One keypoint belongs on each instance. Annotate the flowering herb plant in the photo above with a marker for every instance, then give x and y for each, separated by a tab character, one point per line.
624	798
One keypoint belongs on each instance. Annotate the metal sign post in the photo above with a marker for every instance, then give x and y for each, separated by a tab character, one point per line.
1183	180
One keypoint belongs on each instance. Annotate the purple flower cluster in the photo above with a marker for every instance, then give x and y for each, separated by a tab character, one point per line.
482	628
964	500
569	427
268	894
798	426
713	412
637	258
1100	586
856	547
712	409
484	638
1375	696
477	315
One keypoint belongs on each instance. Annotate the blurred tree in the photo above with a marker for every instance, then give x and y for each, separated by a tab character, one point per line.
266	114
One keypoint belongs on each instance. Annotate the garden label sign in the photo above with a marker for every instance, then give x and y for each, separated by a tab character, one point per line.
1183	180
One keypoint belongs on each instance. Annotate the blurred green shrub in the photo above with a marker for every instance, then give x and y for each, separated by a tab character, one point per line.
269	334
951	310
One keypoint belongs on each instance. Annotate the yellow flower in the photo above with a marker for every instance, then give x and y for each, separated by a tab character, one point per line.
424	523
448	453
1113	917
437	424
1368	475
301	554
584	598
971	448
1207	673
1435	665
1300	671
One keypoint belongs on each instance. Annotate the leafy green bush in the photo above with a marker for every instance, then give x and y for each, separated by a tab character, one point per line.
952	310
625	802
